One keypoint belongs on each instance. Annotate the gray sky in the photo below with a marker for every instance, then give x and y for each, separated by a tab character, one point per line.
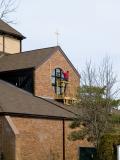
88	28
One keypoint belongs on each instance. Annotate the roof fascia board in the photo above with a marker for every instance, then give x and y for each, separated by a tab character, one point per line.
23	69
21	37
25	115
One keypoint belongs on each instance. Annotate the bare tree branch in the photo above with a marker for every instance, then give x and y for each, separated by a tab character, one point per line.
101	76
96	98
7	7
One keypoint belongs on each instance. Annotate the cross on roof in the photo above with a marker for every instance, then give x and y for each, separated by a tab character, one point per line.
57	36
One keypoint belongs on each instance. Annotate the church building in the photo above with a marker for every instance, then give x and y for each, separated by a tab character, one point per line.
37	93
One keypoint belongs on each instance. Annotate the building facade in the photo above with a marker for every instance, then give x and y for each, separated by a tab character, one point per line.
36	89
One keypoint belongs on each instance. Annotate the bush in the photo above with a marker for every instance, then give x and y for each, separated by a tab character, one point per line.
116	119
108	147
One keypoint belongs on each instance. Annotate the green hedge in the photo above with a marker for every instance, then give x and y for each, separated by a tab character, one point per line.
116	118
108	147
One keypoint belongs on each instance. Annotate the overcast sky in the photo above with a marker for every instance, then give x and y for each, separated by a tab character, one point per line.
88	28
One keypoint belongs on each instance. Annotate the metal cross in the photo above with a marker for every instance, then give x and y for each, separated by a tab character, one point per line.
57	36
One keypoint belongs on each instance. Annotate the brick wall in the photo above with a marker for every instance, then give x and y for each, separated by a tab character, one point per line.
72	147
43	73
39	139
42	139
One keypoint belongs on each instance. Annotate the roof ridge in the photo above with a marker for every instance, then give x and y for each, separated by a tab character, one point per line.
40	49
24	52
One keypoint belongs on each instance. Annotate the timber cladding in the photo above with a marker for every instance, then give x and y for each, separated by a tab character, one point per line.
9	44
42	76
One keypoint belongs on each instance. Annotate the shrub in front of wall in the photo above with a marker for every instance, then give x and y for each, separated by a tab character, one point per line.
108	147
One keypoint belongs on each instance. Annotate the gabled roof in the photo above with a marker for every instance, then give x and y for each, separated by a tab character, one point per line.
29	59
25	60
19	102
7	29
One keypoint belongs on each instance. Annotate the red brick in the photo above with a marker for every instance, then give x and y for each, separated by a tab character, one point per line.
43	86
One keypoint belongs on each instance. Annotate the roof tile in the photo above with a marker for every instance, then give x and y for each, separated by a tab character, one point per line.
18	101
